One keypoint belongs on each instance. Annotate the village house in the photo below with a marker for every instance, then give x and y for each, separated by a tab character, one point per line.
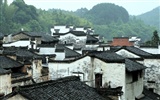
151	61
15	76
31	61
103	69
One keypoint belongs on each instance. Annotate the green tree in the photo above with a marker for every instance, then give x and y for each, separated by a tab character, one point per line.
155	38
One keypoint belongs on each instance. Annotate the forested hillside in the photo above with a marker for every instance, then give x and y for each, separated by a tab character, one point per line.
108	20
152	17
20	15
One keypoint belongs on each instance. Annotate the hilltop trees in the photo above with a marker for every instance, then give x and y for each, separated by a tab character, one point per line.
154	40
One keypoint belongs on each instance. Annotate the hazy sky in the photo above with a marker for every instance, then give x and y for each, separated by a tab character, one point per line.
134	7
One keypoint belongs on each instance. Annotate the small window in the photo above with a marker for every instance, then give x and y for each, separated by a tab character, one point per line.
134	76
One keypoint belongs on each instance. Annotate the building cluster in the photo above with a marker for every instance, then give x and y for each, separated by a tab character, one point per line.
74	63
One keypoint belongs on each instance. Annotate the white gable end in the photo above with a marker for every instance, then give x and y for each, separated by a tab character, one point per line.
127	54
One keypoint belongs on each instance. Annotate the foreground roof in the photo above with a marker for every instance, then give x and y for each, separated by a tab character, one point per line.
68	88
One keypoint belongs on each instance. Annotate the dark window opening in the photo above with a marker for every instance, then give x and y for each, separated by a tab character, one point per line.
13	88
151	89
134	76
98	80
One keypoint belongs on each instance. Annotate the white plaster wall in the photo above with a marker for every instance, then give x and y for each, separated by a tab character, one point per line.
79	51
46	50
5	84
57	70
18	44
113	73
133	89
92	45
151	50
71	47
63	29
152	73
17	97
37	67
80	29
62	37
60	55
127	54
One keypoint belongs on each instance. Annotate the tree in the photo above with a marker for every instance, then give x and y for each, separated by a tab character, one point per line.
155	38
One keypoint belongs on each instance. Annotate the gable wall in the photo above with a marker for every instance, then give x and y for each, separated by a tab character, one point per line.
152	74
58	70
5	84
127	54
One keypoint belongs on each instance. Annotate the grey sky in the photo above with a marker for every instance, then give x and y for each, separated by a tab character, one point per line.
134	7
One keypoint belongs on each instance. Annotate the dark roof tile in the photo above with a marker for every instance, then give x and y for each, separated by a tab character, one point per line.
7	63
69	53
68	88
136	51
133	65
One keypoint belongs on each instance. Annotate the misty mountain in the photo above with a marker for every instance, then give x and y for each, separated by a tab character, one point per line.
151	18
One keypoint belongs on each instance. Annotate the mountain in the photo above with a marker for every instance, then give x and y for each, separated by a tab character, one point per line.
104	13
110	20
151	18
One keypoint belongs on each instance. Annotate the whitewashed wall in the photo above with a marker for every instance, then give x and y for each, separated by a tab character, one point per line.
152	73
127	54
5	84
37	67
62	37
46	50
151	50
62	29
133	89
57	70
113	73
22	43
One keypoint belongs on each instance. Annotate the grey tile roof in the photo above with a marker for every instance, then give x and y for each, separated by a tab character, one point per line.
148	95
69	53
7	63
78	33
91	39
60	48
108	56
133	65
136	51
20	52
68	88
3	71
48	38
